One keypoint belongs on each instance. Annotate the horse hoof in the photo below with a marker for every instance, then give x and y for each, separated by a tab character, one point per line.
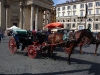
54	59
95	54
68	63
81	52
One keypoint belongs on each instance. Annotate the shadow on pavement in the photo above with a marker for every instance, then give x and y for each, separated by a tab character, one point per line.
94	69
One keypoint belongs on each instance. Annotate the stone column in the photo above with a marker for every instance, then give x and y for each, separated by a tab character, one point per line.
32	17
41	20
21	17
7	13
36	19
24	16
49	18
45	17
42	14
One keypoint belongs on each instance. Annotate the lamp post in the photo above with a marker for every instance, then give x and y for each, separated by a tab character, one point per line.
94	16
86	14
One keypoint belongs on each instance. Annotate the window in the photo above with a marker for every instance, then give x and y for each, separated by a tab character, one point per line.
74	13
81	13
63	20
63	8
80	27
97	3
89	25
67	25
68	7
63	13
90	5
58	14
73	25
96	26
74	6
89	12
47	21
96	19
74	20
82	6
69	13
89	19
97	11
59	9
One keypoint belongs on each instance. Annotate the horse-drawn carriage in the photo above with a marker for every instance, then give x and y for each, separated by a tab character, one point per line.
22	40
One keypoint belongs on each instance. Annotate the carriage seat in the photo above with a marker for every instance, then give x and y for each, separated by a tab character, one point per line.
20	32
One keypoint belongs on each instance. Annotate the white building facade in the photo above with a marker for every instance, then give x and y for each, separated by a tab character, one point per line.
77	15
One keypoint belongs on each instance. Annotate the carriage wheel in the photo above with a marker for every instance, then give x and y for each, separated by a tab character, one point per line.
12	45
32	52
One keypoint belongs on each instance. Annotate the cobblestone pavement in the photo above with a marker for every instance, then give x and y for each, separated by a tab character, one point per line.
81	64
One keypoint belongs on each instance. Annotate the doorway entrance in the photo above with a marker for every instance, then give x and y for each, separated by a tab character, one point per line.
15	24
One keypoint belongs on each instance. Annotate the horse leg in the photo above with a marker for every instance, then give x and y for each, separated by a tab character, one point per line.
49	49
95	52
69	54
51	52
81	52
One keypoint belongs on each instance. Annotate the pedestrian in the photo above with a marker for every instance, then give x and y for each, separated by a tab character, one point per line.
66	35
49	31
1	32
89	28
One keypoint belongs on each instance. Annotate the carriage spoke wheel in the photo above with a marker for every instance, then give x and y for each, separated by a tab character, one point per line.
32	53
12	45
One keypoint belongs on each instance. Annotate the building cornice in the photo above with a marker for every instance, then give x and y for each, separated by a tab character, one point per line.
75	2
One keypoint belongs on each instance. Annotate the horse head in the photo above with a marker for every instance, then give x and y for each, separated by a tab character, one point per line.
84	35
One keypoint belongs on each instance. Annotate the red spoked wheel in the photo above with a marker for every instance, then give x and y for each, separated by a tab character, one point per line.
12	45
32	52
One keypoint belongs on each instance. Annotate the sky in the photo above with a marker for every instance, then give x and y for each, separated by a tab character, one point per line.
59	1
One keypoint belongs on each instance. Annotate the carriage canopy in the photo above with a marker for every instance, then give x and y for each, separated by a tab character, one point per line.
54	25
